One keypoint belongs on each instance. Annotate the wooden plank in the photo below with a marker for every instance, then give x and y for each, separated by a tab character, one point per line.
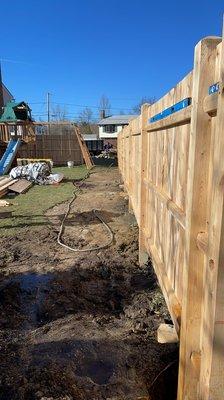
143	256
204	65
85	152
178	118
8	183
210	104
166	333
21	186
5	180
212	357
3	192
202	242
172	302
171	206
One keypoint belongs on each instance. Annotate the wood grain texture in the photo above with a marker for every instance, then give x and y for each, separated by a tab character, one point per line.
21	186
180	211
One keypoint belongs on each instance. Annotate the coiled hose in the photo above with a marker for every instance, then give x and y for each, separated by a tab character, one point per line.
106	226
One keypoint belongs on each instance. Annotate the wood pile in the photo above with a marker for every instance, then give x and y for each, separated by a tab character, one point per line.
5	183
15	185
20	186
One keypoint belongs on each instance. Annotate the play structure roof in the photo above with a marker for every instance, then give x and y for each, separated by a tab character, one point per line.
14	112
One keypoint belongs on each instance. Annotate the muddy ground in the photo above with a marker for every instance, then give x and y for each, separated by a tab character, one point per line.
82	326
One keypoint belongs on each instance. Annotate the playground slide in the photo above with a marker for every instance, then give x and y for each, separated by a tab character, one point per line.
9	155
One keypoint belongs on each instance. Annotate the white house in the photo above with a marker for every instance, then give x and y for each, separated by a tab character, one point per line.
109	127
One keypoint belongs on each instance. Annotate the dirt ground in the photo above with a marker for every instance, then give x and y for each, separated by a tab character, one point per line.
82	326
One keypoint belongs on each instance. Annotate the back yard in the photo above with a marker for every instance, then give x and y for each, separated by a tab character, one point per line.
79	325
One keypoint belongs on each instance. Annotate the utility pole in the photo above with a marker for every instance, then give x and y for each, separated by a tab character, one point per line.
48	107
48	111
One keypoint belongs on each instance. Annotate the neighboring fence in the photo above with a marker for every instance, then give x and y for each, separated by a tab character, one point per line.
58	142
172	162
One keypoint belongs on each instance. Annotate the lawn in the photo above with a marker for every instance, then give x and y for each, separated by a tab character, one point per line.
28	209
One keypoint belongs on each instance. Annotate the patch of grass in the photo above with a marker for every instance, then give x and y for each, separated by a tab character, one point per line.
28	209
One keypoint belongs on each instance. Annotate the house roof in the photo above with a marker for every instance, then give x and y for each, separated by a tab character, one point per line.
117	120
90	136
7	95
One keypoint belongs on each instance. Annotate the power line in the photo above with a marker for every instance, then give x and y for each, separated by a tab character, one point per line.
82	105
89	106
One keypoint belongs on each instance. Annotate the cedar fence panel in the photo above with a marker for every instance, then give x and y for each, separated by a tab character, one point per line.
173	171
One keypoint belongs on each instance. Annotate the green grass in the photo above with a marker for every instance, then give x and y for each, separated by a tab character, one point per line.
28	209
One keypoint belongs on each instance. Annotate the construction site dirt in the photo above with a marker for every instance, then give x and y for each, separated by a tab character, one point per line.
82	325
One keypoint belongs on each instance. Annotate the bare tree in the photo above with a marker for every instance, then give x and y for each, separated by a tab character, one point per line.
137	108
104	105
85	116
59	113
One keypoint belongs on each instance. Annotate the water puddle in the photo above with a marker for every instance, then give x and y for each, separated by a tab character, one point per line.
98	371
33	292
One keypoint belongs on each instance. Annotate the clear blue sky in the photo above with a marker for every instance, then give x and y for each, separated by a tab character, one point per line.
79	50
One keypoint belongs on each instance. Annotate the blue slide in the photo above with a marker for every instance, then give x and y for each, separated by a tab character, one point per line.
9	155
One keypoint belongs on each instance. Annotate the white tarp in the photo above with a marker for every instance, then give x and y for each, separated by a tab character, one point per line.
39	173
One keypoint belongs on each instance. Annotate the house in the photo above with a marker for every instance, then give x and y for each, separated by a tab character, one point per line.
109	127
7	96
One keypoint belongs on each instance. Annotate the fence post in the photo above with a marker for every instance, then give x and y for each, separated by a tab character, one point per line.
212	369
143	255
196	213
130	167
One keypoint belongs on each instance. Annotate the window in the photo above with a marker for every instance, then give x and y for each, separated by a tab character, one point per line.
110	128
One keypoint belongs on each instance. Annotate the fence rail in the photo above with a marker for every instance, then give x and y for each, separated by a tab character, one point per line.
172	162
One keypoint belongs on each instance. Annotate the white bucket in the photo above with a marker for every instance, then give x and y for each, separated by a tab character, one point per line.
70	164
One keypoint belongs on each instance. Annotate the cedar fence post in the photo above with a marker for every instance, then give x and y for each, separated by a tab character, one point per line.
143	255
196	222
212	365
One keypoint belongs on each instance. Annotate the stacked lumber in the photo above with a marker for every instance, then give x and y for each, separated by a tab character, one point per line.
21	186
5	182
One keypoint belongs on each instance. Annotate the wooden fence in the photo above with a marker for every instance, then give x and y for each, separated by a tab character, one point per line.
57	141
59	147
173	170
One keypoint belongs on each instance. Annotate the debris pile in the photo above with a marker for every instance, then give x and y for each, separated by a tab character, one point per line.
39	173
21	178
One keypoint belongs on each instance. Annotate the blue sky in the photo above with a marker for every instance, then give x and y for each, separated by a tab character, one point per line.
79	50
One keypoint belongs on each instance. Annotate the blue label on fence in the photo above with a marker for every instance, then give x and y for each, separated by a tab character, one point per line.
168	111
213	88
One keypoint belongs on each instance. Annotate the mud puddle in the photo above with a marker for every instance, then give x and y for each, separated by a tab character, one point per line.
28	291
